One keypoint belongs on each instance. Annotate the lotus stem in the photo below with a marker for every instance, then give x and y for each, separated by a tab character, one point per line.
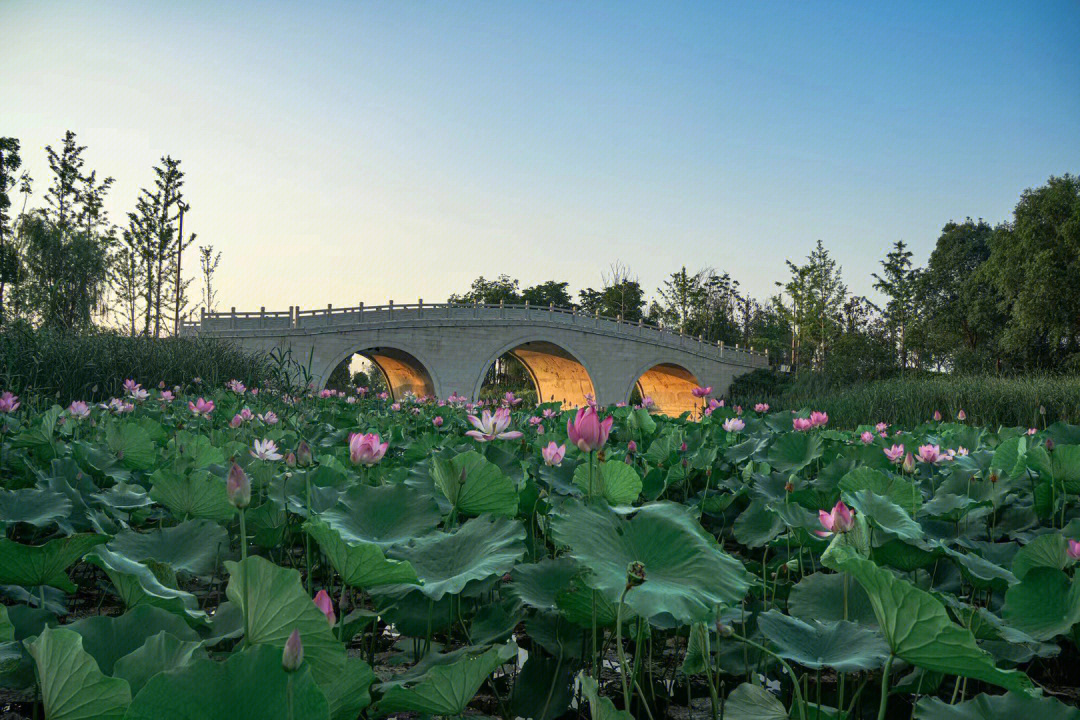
619	649
244	577
885	688
787	668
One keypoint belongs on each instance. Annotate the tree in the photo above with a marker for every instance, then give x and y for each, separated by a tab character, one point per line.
825	295
10	161
680	294
899	283
208	264
551	292
66	274
1034	264
492	292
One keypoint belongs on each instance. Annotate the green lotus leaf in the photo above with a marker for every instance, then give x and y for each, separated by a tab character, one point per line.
132	445
543	689
917	627
350	692
793	451
1047	551
194	546
109	638
537	584
820	596
600	708
757	525
137	584
473	485
7	629
844	646
385	515
614	480
124	498
753	702
277	605
980	572
885	514
39	508
360	564
197	494
1045	604
996	707
72	687
443	684
198	449
160	653
899	490
1065	466
687	574
447	562
249	685
33	565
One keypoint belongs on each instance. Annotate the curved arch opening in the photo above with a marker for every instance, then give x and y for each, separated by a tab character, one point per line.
383	369
670	387
552	373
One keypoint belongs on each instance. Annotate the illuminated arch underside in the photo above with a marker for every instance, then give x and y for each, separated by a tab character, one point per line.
403	372
670	388
557	374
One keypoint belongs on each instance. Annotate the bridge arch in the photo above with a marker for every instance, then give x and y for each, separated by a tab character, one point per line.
405	371
558	372
669	385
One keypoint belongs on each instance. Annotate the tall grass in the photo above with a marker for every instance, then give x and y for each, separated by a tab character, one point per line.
51	366
909	400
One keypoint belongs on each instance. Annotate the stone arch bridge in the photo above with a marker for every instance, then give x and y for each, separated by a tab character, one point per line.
447	348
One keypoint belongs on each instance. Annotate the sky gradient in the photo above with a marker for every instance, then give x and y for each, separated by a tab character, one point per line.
346	152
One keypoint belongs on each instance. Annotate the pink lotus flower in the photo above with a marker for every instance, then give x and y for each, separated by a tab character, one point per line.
236	421
395	406
268	417
909	463
361	391
937	416
292	657
840	520
700	392
510	400
1032	431
265	450
881	427
351	400
733	425
761	408
238	487
236	386
366	449
818	419
201	407
437	421
167	396
550	414
647	401
324	603
118	406
929	453
867	437
631	447
961	416
587	431
553	454
894	453
9	402
738	409
961	451
801	424
492	426
1073	549
130	386
79	410
384	395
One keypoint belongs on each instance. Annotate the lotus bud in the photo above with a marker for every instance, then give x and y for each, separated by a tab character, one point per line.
303	454
1049	445
635	574
961	416
909	463
993	476
724	630
937	416
1042	409
238	487
1073	549
293	655
290	460
324	603
631	447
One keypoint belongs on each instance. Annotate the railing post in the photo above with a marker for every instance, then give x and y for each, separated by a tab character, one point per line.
699	341
551	307
721	348
420	308
390	310
262	316
232	322
297	322
596	318
360	314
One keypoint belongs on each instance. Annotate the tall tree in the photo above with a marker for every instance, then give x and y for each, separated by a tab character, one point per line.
620	295
67	179
899	283
502	289
10	161
680	294
548	293
208	265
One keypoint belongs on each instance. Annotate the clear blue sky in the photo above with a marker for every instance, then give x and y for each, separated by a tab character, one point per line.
338	152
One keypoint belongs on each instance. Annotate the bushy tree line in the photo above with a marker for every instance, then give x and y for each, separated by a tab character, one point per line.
65	265
1000	299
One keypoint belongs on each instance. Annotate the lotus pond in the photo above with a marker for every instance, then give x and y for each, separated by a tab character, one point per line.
227	553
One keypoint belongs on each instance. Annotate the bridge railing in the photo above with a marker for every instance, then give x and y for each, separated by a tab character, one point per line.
344	317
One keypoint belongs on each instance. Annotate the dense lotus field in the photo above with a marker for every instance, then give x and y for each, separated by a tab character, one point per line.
234	554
